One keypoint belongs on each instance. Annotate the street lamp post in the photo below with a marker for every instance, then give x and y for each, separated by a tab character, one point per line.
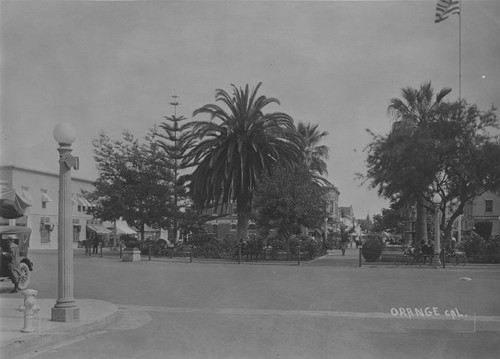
325	238
437	243
65	309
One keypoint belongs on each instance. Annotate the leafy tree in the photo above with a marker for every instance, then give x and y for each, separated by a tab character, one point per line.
414	110
133	182
237	146
453	155
402	165
288	199
191	222
391	219
107	196
366	225
468	158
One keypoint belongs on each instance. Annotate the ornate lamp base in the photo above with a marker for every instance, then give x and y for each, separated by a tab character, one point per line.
71	314
131	255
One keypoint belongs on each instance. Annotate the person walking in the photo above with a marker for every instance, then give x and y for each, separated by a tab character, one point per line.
343	245
95	249
12	257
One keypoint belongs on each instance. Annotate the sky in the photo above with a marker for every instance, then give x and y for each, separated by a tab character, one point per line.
113	66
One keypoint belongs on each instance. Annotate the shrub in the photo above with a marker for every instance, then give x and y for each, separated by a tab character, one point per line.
372	248
129	241
477	249
228	245
206	246
309	246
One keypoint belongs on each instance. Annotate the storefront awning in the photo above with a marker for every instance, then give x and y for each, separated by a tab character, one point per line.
123	229
83	202
13	204
98	229
45	197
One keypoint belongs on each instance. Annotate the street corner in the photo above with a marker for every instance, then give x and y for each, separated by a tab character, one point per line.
94	315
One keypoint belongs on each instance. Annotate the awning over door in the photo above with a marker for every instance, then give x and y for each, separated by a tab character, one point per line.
98	229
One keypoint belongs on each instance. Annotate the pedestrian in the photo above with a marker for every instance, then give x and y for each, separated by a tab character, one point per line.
12	257
85	244
96	244
343	245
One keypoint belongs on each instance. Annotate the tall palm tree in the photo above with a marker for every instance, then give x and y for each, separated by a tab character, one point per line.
236	146
314	153
417	107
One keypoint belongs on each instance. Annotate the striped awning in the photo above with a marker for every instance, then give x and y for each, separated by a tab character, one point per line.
83	202
97	228
124	229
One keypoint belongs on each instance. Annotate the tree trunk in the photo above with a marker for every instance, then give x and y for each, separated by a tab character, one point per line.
421	222
448	225
115	241
242	229
244	209
408	237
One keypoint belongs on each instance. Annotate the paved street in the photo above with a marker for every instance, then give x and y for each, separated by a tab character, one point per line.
329	308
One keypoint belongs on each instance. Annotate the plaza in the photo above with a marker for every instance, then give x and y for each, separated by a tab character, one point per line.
327	308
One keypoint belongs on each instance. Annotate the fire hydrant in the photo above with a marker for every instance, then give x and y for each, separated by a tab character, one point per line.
29	309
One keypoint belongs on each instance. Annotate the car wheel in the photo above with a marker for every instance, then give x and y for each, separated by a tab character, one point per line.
24	279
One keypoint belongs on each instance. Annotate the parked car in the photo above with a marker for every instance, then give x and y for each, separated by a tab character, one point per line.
21	236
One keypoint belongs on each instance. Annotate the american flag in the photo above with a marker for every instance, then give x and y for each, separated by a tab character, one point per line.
446	8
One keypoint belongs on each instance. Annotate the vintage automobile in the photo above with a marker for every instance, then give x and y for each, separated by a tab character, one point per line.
21	236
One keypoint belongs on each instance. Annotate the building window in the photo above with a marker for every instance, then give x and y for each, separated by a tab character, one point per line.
45	229
22	221
488	205
45	198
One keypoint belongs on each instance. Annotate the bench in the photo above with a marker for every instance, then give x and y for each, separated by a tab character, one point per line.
392	253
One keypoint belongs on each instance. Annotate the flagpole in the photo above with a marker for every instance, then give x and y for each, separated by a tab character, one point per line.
460	52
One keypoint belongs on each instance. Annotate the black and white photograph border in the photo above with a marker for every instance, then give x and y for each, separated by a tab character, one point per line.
152	235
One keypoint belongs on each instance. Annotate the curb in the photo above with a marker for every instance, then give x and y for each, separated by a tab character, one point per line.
44	339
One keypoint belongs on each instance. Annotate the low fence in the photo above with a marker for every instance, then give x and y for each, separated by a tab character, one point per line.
192	253
395	255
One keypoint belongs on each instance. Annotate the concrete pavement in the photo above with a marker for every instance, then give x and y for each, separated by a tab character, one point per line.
94	315
287	300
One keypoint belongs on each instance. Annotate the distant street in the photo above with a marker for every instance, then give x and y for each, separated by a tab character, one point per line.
329	308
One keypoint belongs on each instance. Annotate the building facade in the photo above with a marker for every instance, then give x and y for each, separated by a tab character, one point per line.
225	219
332	220
42	188
484	209
347	217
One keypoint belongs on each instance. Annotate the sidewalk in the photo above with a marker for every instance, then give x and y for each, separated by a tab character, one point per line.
94	315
